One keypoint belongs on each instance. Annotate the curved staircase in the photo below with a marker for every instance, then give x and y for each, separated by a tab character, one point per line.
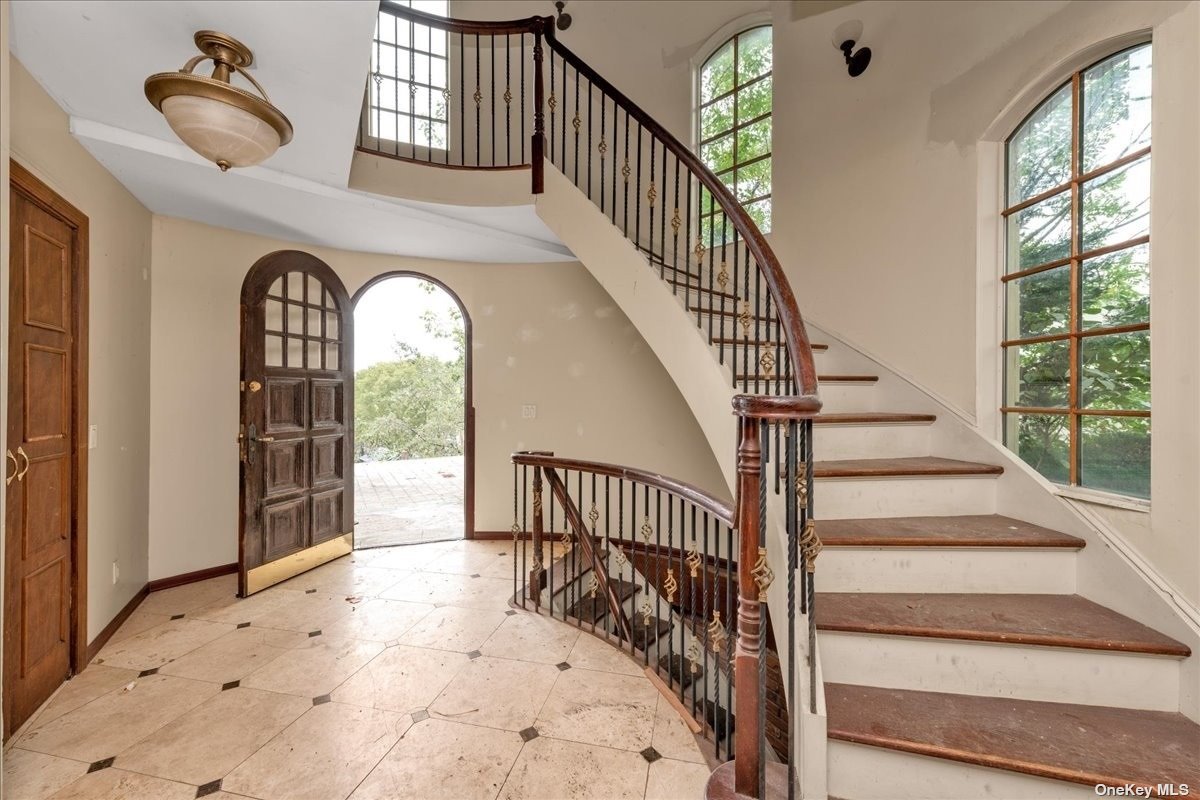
961	652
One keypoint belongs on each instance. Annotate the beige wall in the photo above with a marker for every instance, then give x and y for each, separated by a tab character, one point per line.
543	334
119	309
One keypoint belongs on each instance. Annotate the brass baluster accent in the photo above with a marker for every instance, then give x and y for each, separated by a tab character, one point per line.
620	558
767	361
593	585
477	97
516	531
693	559
699	250
745	318
676	221
646	530
552	102
802	484
625	170
723	276
694	654
508	96
602	147
652	193
646	611
810	546
671	585
594	514
576	122
716	633
763	574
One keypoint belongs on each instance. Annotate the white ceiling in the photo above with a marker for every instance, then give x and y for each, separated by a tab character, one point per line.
312	57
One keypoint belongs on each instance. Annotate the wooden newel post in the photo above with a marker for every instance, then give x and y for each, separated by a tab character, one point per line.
538	145
747	753
539	555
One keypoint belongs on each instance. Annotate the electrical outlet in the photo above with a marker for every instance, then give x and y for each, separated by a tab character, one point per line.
528	412
116	572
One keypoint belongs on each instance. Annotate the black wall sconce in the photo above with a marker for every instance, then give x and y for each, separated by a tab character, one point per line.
564	20
845	37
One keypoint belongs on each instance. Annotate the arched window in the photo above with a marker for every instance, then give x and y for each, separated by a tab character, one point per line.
1077	323
734	123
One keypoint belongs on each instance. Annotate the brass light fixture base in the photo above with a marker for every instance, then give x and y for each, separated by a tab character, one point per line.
221	47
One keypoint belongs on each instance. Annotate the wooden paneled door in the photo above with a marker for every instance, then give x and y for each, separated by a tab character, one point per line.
297	389
45	448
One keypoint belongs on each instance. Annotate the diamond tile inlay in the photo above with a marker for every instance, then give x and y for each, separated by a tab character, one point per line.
529	734
322	700
243	624
651	755
103	763
176	616
420	715
562	665
311	634
212	787
231	685
148	672
474	654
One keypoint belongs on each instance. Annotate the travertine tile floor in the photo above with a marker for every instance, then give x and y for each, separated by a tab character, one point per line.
406	502
396	673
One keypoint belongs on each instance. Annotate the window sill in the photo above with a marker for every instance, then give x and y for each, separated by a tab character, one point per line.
1103	498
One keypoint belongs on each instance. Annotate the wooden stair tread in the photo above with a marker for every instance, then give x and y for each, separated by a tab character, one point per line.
567	569
872	418
760	342
680	670
593	609
704	289
729	313
820	378
920	466
1053	620
1081	744
985	530
644	635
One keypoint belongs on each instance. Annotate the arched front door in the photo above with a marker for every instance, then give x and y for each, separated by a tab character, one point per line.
297	382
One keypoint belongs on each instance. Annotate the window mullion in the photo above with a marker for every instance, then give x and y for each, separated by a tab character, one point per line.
1075	420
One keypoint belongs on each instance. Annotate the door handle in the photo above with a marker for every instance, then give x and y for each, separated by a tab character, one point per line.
8	479
264	438
21	474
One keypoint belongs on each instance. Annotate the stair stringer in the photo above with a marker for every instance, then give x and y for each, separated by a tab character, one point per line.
651	306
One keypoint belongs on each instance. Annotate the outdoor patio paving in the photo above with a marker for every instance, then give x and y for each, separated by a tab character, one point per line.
407	502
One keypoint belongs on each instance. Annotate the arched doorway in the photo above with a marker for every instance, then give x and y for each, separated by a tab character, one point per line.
413	415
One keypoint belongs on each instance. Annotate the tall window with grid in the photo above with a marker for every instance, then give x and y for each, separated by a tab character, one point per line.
410	65
734	124
1077	323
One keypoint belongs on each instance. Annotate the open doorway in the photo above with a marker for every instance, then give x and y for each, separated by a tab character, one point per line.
413	416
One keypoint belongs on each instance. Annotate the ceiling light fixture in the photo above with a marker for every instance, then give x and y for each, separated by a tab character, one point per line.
229	126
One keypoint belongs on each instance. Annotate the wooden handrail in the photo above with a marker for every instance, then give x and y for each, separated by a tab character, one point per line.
799	347
525	25
775	407
721	511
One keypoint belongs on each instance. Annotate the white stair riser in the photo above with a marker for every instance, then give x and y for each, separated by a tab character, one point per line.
870	441
950	569
836	498
862	772
1023	672
847	397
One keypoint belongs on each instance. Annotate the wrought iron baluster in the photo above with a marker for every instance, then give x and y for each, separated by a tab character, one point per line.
462	101
576	123
791	502
637	186
524	533
478	98
651	196
589	141
492	97
508	99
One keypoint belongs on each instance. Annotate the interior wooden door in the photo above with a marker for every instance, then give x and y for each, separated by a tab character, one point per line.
44	457
297	458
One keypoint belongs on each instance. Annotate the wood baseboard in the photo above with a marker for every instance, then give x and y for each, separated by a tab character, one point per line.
116	622
492	536
191	577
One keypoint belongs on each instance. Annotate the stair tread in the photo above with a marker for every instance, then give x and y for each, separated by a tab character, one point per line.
1053	620
917	466
820	378
1081	744
593	609
984	530
729	313
680	670
760	342
648	634
697	288
568	569
872	418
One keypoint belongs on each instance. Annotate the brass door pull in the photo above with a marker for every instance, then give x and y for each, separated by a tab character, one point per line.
8	479
21	474
265	439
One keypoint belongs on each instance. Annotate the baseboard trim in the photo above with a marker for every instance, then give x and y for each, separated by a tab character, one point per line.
116	622
492	536
191	577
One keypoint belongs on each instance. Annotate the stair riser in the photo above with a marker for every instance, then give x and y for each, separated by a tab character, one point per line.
847	397
872	773
951	569
1023	672
903	497
870	441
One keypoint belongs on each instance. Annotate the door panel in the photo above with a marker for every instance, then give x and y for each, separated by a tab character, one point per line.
297	377
46	268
